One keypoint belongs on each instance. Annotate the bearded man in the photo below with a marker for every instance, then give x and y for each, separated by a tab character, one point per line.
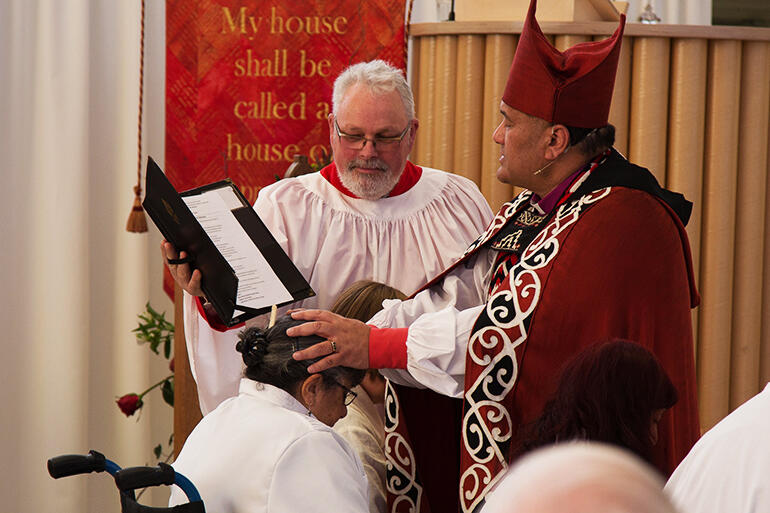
371	214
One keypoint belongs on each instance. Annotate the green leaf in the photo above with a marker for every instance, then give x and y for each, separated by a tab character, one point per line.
157	451
171	439
168	392
154	330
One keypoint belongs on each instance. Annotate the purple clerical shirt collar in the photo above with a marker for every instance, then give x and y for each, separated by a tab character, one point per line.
546	205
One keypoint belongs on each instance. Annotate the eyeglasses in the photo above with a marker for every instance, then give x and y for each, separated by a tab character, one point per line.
357	142
350	396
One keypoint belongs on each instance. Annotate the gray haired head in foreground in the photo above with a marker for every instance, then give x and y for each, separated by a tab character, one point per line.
579	477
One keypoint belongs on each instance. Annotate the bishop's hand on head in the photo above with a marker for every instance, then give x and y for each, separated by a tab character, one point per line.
346	344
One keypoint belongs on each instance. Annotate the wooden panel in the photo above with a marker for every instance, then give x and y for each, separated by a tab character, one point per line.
414	83
649	105
621	95
764	350
595	28
717	250
749	239
498	56
554	10
566	41
469	110
444	103
426	79
687	115
187	411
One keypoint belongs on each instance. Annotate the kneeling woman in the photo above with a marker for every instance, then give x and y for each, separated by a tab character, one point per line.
271	448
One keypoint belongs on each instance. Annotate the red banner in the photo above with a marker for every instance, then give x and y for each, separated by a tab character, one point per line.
249	83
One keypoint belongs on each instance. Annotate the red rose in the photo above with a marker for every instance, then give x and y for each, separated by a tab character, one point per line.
171	364
129	403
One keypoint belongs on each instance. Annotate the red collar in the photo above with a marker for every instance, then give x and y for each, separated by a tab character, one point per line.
409	178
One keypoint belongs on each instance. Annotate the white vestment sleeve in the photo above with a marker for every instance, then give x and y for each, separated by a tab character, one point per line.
214	363
440	320
302	480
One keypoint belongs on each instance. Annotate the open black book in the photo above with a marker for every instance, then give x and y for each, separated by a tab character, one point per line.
245	271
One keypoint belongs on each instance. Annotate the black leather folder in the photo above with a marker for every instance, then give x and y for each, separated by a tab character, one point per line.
179	226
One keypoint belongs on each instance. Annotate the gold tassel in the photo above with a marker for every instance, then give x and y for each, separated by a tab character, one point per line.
137	222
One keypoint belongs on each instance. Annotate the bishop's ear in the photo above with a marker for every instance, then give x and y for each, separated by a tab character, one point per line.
558	142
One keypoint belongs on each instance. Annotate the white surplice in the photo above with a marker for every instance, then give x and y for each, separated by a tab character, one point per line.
261	452
335	240
728	469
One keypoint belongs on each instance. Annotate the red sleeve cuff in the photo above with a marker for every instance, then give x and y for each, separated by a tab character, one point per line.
212	318
387	348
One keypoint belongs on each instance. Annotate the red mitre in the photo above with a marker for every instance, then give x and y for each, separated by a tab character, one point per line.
573	87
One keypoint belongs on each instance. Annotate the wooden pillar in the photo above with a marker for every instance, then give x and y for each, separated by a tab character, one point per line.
750	211
187	412
764	350
498	56
686	121
426	80
444	103
718	238
621	95
649	105
468	132
565	41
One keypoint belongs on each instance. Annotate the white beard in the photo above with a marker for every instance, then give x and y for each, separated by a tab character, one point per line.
371	187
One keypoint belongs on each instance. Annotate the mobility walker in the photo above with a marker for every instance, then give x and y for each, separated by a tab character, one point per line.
128	480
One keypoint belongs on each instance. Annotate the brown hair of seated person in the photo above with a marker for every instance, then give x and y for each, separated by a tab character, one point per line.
361	300
613	392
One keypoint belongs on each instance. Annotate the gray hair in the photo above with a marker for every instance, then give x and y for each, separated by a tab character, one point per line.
580	477
380	77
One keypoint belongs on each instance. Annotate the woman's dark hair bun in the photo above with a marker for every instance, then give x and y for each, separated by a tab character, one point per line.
252	345
268	357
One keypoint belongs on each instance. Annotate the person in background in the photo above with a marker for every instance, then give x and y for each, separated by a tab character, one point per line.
271	448
364	425
579	477
728	469
371	214
614	392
